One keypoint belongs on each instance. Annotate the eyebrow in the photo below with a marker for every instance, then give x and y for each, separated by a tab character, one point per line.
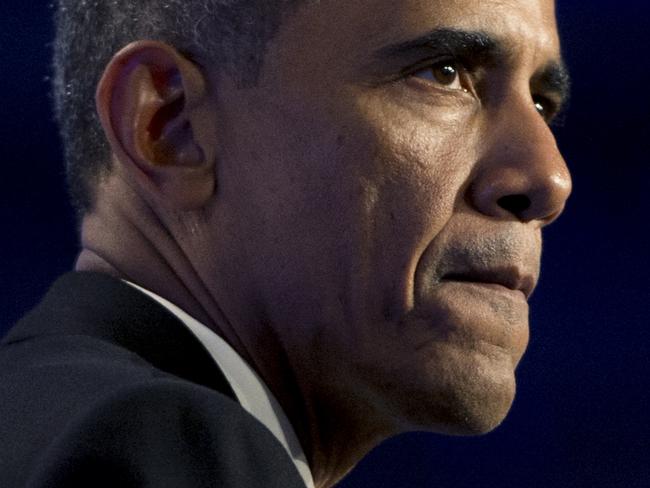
477	48
461	43
555	78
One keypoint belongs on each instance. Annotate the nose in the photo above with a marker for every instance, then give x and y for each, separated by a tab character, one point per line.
521	174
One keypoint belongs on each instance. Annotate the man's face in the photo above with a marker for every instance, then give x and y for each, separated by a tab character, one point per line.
381	202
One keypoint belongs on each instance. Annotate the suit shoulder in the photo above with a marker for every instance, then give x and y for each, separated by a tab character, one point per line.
163	432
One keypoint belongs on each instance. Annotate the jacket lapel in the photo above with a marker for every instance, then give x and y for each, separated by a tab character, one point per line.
106	308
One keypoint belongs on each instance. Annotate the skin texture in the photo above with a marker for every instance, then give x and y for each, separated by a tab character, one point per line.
320	220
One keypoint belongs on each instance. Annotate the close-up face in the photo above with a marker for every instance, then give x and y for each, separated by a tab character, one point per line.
382	193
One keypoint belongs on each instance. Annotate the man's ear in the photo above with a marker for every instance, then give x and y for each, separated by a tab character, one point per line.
153	106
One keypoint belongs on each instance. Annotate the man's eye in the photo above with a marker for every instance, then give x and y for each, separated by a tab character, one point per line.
545	107
445	73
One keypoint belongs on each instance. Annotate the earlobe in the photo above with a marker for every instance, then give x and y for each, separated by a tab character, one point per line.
150	101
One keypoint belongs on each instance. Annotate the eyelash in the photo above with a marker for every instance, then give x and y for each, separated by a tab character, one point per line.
549	107
467	73
460	67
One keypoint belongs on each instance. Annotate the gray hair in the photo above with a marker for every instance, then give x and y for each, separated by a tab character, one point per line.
232	34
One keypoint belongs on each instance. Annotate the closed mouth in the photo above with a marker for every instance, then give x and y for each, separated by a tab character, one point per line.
507	278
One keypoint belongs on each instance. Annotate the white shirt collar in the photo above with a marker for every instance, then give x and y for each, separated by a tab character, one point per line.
253	395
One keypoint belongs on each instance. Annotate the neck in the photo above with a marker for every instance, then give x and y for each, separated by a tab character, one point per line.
125	237
336	427
341	428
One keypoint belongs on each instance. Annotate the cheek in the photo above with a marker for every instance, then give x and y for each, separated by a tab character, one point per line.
417	159
389	190
411	173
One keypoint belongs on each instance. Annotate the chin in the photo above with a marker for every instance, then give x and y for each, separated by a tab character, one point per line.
470	401
478	418
465	418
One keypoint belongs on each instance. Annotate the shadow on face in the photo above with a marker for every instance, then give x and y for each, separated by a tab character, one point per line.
384	187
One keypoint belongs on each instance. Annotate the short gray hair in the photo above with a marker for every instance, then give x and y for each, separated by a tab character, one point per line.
233	34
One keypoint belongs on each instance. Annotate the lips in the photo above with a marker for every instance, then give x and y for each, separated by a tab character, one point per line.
509	277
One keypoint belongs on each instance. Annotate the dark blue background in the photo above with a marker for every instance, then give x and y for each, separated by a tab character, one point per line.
581	415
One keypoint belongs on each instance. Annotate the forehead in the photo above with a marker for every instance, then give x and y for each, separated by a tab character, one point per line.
344	30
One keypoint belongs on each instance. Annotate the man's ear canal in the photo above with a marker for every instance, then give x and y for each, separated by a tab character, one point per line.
153	105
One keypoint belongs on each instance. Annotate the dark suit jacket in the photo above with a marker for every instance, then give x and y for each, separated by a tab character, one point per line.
101	386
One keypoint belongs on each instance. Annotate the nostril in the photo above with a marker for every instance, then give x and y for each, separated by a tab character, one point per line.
515	204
